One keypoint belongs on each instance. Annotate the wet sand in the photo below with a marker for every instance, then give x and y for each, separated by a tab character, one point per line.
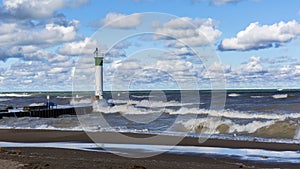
48	158
24	135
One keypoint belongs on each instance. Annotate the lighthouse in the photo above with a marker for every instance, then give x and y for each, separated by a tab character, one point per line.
98	75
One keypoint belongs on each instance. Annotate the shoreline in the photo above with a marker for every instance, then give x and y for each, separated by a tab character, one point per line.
56	158
53	158
35	135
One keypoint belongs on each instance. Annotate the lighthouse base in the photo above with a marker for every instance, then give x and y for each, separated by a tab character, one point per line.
99	105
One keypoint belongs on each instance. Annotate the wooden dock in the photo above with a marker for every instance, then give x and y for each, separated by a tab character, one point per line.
46	113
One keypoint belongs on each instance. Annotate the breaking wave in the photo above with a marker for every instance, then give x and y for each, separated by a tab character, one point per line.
234	114
146	107
15	95
37	104
268	129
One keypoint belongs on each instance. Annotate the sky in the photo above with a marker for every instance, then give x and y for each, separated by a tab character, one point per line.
48	45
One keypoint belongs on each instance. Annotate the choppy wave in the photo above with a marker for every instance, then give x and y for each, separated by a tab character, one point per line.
4	99
267	129
257	97
69	97
146	107
81	101
287	128
233	114
141	97
151	103
248	121
40	123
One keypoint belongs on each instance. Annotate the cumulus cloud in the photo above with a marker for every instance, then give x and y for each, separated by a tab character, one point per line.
252	67
38	75
36	9
121	21
258	72
49	34
192	32
84	47
280	60
163	72
30	32
257	36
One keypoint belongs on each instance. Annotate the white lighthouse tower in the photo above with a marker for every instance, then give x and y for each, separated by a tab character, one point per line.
98	75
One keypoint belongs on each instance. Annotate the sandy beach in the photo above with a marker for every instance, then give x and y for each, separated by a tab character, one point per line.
28	158
48	158
25	135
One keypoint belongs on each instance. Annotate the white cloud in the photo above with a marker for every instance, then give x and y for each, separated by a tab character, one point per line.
59	59
214	2
223	2
191	32
84	47
117	20
49	34
252	67
257	36
166	72
39	74
260	73
35	9
30	31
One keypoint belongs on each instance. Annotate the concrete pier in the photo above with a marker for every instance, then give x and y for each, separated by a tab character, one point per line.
46	113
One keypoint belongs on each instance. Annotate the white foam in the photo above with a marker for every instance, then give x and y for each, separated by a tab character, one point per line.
15	95
125	109
257	97
81	101
232	114
161	104
138	149
209	125
133	107
151	103
280	96
69	97
233	95
37	104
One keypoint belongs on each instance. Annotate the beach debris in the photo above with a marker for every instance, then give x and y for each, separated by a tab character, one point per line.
137	167
2	150
13	152
264	157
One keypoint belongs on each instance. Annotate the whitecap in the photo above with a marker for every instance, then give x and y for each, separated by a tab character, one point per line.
233	95
280	96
